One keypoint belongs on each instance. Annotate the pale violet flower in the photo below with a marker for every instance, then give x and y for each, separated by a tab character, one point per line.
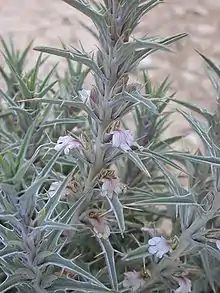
67	142
159	246
185	285
111	186
99	225
133	280
218	244
122	139
85	95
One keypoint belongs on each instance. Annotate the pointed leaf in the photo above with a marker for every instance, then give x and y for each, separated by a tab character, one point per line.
137	161
25	144
23	86
215	161
117	208
50	164
33	78
110	261
137	253
56	225
208	270
171	200
210	63
61	284
73	55
8	99
27	201
48	209
78	119
45	90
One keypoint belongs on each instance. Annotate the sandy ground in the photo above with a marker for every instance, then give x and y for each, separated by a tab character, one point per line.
48	21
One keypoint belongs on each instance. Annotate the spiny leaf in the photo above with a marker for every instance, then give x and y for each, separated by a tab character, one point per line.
48	209
23	86
110	262
117	208
66	218
210	63
12	282
137	253
45	90
25	145
201	130
64	103
57	260
171	200
73	55
137	161
215	161
78	119
33	78
205	260
61	284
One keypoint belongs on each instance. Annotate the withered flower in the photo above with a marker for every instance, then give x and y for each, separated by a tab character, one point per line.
97	222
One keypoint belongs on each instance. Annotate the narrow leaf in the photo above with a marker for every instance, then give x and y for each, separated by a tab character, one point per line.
110	262
57	260
117	208
61	284
137	161
137	253
25	145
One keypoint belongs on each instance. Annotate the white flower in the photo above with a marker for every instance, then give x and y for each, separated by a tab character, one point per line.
111	186
67	142
159	246
122	139
218	244
85	95
185	285
133	280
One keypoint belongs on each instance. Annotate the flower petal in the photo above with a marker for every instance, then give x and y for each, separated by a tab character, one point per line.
125	147
152	249
160	253
185	285
154	240
116	139
84	94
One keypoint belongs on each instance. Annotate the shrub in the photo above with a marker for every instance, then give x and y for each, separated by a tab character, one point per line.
83	198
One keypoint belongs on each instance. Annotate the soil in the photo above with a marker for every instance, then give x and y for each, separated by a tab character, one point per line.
48	22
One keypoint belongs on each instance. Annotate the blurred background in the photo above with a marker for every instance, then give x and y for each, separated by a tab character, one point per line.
48	22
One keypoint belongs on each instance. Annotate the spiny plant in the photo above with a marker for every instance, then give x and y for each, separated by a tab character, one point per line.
84	198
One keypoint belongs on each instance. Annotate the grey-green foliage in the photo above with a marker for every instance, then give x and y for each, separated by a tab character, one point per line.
62	228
